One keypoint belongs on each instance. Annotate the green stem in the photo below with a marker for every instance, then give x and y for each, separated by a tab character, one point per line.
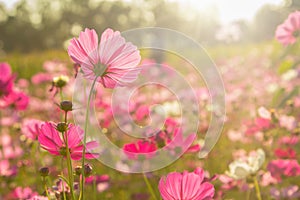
257	189
248	194
61	94
62	174
149	186
94	187
69	163
84	137
45	187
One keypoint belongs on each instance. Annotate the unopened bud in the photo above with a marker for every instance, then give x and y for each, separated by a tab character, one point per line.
60	81
66	105
62	127
44	171
87	170
78	170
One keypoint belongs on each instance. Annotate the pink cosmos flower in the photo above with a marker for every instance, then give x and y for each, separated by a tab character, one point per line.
16	100
142	112
140	149
41	78
114	60
6	79
31	128
288	122
289	30
179	143
281	167
6	169
51	141
183	186
102	182
267	179
259	124
228	183
22	193
285	153
289	140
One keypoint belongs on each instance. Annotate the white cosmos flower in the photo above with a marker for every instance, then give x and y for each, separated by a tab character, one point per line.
240	169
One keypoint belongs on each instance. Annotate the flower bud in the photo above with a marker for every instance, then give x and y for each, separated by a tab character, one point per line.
62	127
60	81
44	171
87	170
66	105
78	170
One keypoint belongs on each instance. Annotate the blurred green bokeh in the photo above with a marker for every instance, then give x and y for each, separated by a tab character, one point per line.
48	24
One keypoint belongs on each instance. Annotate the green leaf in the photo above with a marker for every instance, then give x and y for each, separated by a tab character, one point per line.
285	66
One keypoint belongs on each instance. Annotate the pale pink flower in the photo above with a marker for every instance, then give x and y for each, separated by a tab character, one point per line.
142	112
54	66
51	141
179	143
114	60
183	186
228	183
22	193
102	182
268	179
6	169
41	78
297	102
31	128
288	122
290	192
289	30
288	140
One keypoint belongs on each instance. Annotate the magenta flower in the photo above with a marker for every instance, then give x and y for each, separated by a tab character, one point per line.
114	60
140	149
31	128
183	186
285	153
16	100
51	141
281	167
6	79
289	30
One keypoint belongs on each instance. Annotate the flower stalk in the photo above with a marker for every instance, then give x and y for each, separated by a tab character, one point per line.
149	186
69	162
257	189
81	196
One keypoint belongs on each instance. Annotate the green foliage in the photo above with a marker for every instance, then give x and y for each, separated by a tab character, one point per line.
285	66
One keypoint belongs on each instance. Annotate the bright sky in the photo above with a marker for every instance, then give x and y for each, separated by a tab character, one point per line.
228	10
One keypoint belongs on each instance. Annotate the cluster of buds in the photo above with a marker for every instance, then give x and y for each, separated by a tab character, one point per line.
88	169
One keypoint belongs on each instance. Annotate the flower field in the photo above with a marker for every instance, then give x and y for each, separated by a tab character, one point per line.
49	151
